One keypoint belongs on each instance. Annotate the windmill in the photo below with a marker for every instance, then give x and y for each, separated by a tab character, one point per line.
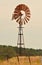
22	15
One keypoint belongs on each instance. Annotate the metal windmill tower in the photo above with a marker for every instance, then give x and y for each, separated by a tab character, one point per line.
22	15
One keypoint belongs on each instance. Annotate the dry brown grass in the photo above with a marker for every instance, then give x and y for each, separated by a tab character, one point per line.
35	60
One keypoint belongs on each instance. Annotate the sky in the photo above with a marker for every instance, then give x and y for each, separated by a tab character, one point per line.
32	30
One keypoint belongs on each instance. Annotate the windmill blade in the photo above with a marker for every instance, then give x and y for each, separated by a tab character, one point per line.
20	22
18	19
28	16
16	10
12	16
15	13
27	10
16	16
28	13
23	7
26	20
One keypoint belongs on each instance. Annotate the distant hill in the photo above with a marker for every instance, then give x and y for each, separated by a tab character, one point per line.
9	51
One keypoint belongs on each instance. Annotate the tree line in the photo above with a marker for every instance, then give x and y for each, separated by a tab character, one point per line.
9	51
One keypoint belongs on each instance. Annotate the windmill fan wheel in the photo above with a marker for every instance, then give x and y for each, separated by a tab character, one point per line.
21	14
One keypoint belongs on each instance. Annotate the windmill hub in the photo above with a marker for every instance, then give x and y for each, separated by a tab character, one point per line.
23	14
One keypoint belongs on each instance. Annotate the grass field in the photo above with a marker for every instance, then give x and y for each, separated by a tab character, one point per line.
34	60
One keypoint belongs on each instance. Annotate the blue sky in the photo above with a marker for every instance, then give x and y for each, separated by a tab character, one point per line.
32	30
